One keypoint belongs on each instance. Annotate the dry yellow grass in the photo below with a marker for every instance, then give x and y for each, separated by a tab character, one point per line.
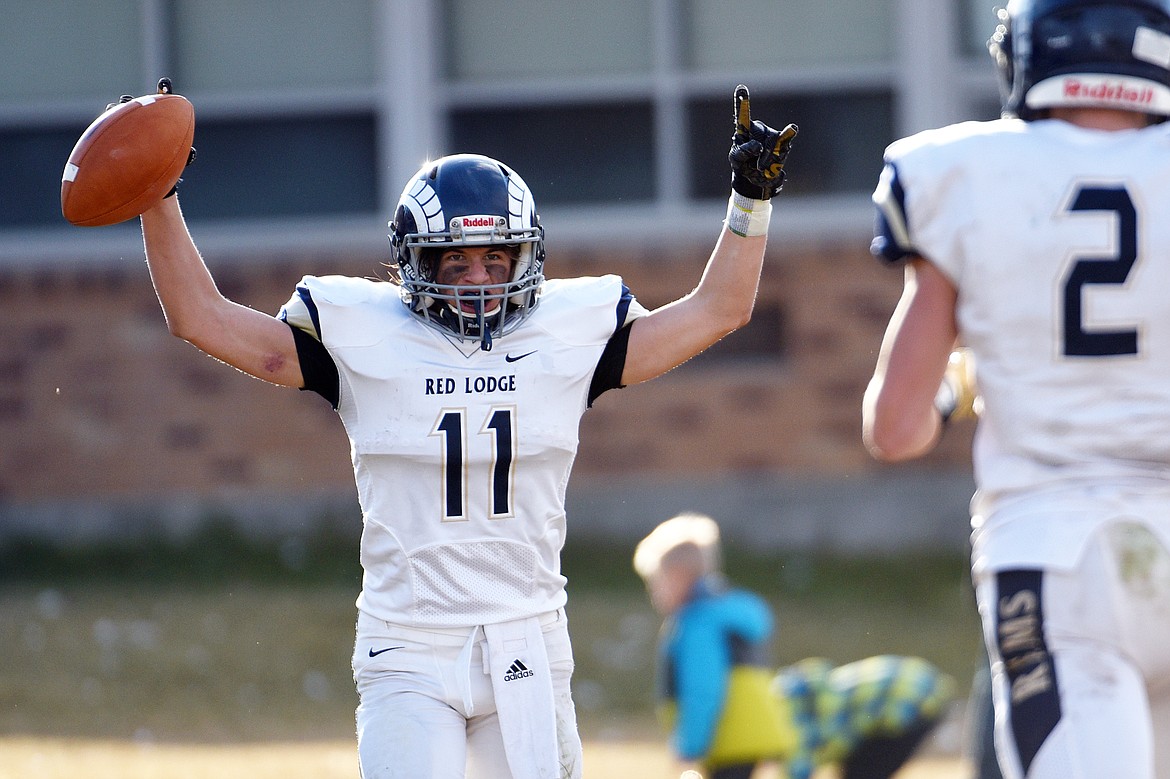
49	758
26	758
112	680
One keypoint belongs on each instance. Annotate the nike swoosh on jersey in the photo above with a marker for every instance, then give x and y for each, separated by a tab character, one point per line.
510	358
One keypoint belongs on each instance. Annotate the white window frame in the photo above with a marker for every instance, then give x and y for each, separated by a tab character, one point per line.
932	83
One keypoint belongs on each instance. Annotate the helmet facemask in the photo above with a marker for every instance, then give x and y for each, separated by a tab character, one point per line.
474	311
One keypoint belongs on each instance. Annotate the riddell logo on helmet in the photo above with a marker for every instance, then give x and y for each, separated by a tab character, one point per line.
1107	91
477	221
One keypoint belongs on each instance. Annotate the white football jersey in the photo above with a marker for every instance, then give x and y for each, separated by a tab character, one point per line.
1057	240
461	456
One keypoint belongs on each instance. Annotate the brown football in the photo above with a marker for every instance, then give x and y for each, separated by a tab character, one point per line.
127	160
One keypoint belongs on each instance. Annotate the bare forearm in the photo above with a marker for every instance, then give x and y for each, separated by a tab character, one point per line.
731	281
181	280
721	303
253	342
895	430
899	419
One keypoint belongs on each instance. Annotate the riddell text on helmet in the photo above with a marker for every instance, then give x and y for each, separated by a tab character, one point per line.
479	221
1110	91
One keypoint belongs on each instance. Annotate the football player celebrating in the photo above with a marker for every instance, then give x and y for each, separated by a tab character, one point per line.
461	382
1039	241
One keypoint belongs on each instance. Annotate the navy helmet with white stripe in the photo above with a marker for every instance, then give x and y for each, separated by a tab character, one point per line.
1090	53
467	200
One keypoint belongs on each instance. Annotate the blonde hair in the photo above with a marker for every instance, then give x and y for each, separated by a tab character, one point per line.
671	540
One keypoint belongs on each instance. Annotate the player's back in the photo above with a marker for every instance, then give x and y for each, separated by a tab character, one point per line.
1055	239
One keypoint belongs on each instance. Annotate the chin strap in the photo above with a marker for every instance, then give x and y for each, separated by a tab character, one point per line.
485	332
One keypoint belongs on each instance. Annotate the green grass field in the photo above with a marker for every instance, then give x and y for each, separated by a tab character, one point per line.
225	648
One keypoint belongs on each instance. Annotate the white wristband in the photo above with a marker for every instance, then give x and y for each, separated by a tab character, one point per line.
747	216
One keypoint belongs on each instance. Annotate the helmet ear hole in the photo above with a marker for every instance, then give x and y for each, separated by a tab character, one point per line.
428	263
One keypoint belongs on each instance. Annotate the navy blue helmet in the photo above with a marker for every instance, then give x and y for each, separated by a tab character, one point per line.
467	200
1093	53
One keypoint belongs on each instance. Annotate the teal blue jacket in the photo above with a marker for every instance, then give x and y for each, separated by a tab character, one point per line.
717	629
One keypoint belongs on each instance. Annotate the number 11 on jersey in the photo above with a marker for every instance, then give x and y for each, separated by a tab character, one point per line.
499	434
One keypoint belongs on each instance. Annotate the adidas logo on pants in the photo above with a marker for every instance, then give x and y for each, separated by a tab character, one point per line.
517	670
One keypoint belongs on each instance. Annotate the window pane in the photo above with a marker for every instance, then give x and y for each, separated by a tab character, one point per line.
65	48
761	33
282	167
226	44
976	24
545	38
568	154
30	178
245	169
839	149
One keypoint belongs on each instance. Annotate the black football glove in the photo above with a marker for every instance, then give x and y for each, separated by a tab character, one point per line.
165	88
121	100
758	152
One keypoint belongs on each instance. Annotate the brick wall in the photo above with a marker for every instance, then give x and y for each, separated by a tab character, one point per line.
98	401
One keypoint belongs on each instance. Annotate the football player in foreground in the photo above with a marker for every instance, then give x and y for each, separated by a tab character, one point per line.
1040	241
461	382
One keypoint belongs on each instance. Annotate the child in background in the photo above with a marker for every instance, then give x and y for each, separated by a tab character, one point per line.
728	713
713	681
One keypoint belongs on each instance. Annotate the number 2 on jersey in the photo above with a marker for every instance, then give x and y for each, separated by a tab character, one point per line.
498	433
1100	270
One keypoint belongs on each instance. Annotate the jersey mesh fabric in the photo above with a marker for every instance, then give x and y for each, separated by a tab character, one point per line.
498	569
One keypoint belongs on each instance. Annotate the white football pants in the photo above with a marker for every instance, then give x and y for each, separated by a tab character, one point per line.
427	707
1081	661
